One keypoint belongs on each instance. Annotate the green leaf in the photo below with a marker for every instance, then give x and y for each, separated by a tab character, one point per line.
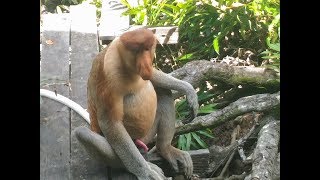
276	56
204	96
265	52
166	12
205	133
199	140
181	142
188	137
206	109
195	145
216	44
185	57
275	46
175	8
181	105
126	3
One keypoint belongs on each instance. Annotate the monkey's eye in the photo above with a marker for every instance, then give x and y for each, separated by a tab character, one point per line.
146	49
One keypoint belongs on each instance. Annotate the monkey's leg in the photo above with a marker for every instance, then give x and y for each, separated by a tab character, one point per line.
165	132
98	147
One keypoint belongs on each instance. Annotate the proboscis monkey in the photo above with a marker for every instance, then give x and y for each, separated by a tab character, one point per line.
124	107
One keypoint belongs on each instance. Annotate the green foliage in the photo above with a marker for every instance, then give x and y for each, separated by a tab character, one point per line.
59	6
273	55
194	140
98	4
210	28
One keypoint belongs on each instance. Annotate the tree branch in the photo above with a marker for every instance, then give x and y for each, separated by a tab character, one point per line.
265	153
220	154
196	72
259	102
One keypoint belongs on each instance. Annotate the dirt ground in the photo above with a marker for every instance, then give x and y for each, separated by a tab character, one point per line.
222	134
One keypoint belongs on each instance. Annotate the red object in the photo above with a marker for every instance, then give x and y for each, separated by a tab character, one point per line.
141	144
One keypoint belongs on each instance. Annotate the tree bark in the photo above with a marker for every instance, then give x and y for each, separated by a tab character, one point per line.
259	102
266	151
196	72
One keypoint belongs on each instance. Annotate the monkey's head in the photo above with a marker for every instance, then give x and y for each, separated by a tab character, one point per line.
142	44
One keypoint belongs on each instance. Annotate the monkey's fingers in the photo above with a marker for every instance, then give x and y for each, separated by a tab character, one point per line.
174	164
187	165
188	118
194	105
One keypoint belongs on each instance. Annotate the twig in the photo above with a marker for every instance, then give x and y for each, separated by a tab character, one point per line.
234	135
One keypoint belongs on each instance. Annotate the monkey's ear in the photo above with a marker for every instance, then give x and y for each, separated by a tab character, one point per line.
153	30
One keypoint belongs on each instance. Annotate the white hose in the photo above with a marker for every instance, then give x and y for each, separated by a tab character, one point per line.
66	101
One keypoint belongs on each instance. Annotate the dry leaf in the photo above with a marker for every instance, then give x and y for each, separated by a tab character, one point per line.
49	42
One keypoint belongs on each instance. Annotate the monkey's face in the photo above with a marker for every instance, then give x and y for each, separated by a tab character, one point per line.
144	61
142	44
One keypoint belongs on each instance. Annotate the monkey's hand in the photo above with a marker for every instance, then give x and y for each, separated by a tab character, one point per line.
192	99
174	155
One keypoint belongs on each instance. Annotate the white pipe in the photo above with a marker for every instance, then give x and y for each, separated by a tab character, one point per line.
66	101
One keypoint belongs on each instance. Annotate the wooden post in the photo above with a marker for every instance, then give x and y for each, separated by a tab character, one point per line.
54	117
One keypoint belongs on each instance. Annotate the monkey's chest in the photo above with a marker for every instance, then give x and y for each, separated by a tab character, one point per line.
139	112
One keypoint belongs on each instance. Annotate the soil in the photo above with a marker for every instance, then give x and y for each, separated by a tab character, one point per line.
222	134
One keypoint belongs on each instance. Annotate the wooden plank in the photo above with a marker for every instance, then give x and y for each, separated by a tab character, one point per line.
54	117
166	35
55	47
84	47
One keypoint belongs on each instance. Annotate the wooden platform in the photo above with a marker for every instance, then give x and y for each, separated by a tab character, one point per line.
69	44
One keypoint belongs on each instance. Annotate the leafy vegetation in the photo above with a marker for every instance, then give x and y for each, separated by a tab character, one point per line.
210	29
194	140
59	6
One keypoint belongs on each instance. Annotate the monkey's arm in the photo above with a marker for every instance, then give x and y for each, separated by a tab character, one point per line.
166	81
112	127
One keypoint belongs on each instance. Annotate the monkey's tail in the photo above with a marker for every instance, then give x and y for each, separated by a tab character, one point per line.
66	101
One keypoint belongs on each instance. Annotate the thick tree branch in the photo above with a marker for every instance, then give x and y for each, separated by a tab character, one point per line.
259	102
220	154
199	71
265	154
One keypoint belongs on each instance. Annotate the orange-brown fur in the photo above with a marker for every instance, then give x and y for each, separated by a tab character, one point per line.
119	85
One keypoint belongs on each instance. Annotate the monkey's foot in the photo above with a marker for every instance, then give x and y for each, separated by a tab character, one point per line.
174	155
